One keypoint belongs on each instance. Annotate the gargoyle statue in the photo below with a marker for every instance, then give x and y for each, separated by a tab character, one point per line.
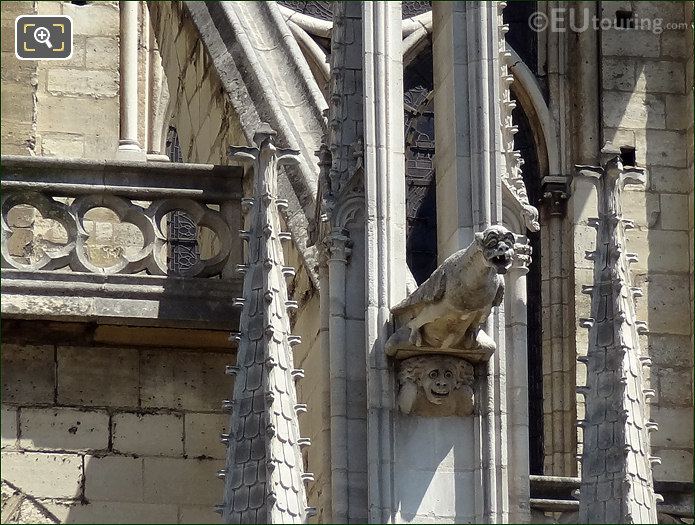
447	384
446	311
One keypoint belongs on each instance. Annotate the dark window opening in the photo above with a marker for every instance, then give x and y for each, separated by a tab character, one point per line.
79	2
183	250
524	142
520	35
420	199
627	155
624	20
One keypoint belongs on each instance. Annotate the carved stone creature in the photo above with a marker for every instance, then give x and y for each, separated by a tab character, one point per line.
447	310
446	383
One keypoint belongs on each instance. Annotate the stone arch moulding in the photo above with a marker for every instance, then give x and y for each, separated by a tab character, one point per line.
533	103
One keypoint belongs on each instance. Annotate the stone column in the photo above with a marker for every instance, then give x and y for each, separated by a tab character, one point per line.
384	163
558	347
517	383
337	249
469	167
157	100
128	145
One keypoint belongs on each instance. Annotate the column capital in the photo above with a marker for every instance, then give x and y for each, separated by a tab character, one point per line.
522	256
336	246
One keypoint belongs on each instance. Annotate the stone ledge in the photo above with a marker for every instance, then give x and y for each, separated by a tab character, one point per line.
136	300
136	180
404	351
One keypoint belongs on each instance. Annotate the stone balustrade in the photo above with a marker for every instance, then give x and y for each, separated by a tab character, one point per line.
84	239
554	500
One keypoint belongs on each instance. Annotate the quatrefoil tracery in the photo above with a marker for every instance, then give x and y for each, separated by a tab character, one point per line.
148	220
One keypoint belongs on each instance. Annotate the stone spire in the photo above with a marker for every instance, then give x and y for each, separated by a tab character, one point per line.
264	476
616	484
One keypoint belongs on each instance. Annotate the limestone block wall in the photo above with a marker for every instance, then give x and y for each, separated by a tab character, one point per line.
97	434
17	108
77	99
70	108
646	104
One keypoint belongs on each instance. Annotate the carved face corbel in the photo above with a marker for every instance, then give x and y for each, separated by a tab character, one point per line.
435	386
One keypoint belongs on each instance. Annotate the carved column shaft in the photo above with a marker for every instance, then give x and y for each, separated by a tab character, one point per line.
128	144
558	345
336	252
385	234
517	384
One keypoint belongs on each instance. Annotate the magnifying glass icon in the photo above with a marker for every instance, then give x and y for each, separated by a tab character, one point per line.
42	35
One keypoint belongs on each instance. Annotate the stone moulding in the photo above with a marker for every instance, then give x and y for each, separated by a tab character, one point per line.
135	300
445	314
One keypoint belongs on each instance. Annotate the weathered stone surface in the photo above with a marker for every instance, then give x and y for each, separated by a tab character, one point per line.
107	512
664	148
71	82
663	76
615	43
67	115
9	427
195	381
643	208
656	249
633	110
93	19
673	432
102	53
16	507
676	465
148	434
163	481
198	514
203	432
28	374
63	429
113	478
98	376
664	297
62	145
670	350
618	74
674	386
674	212
672	180
44	475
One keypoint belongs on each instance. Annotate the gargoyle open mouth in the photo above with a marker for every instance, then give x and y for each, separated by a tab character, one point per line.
501	262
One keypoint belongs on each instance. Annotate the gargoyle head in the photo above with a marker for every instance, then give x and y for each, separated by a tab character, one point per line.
438	376
497	245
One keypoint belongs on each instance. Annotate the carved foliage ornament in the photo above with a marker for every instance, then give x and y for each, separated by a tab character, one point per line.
435	385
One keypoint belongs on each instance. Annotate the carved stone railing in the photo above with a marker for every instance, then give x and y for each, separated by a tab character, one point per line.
63	280
554	500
